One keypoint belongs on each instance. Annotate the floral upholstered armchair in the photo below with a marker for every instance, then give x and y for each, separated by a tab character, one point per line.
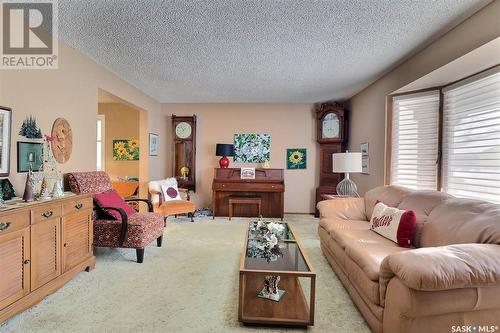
116	224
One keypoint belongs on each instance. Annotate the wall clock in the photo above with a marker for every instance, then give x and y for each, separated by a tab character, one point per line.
331	122
62	145
183	130
184	155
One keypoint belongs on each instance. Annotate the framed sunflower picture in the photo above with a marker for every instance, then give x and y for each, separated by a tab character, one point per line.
296	158
126	150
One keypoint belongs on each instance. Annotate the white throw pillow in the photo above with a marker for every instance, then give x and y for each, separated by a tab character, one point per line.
394	224
170	190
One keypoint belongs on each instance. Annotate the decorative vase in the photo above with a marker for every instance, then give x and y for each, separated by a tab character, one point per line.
28	188
57	191
224	162
44	190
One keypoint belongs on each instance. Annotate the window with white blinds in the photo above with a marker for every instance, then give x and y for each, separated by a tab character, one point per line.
471	137
414	140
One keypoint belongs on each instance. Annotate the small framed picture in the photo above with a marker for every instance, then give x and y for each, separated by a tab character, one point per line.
364	150
29	154
153	144
365	165
247	173
296	158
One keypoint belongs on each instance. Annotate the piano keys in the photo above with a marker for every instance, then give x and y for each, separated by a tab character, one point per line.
269	185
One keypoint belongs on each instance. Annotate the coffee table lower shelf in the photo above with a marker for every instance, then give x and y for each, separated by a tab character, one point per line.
291	310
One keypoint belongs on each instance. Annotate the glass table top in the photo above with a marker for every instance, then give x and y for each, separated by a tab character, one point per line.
286	255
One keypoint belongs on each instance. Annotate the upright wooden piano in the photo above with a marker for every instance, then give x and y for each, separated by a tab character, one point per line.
269	185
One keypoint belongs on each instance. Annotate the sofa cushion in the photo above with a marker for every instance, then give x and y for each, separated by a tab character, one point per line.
142	229
364	285
459	221
334	223
394	224
390	195
422	203
366	248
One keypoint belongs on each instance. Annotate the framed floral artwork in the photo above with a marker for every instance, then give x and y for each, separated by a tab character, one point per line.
296	158
252	148
126	150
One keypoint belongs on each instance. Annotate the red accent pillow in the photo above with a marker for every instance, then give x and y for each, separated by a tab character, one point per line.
112	199
394	224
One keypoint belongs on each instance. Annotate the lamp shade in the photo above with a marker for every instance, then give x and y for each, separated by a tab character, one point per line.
346	162
224	149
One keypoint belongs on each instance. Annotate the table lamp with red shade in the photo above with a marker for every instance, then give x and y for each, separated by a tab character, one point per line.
224	150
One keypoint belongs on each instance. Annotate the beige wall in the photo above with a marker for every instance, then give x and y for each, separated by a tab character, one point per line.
121	122
72	92
368	107
290	126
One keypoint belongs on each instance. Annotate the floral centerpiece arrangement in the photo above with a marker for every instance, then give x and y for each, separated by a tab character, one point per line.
264	240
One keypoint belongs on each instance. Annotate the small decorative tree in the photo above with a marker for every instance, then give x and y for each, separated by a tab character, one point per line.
30	129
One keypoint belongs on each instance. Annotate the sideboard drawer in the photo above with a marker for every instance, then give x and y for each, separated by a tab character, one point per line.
77	205
45	213
14	221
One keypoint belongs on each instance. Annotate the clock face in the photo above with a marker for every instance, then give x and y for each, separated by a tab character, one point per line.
183	130
331	126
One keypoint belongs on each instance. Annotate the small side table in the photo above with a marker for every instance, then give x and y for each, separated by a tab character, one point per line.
244	201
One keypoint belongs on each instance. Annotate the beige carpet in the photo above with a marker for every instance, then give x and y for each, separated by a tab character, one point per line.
188	285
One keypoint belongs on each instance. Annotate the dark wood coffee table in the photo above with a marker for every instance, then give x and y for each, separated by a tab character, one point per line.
293	308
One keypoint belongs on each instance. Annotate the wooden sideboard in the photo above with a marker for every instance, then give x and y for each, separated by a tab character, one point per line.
269	185
42	246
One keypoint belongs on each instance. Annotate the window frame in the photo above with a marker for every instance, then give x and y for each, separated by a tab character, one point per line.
389	118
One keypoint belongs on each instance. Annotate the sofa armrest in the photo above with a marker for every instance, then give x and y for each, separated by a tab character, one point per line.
443	268
343	208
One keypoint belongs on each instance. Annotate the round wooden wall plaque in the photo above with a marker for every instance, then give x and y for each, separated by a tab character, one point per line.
63	140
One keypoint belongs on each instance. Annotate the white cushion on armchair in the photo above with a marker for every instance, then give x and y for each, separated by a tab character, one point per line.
158	186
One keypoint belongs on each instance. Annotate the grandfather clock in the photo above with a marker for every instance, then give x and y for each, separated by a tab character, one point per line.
331	123
184	154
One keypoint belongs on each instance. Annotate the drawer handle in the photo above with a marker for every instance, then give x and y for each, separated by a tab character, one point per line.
4	226
48	214
79	206
27	261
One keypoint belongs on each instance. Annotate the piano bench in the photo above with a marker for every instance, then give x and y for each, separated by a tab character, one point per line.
244	201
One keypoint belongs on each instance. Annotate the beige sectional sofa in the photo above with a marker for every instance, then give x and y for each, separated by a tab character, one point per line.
451	279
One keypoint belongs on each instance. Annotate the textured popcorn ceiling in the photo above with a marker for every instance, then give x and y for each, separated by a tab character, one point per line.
254	51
